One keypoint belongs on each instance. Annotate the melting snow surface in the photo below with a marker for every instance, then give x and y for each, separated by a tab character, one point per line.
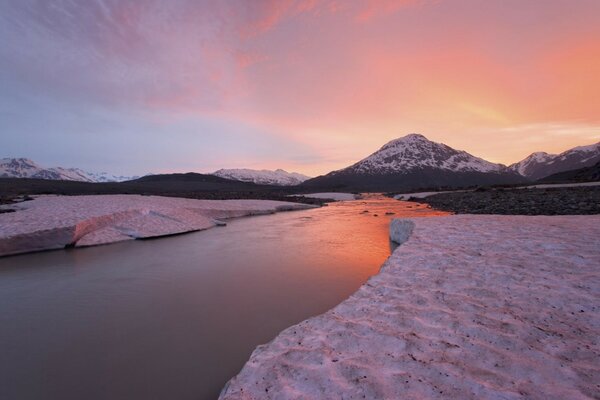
53	222
470	307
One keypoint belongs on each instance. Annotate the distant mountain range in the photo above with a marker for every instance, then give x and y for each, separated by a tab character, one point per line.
414	162
540	165
26	168
278	177
410	162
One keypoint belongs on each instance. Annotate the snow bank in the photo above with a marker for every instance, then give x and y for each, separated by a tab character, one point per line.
53	222
330	195
470	307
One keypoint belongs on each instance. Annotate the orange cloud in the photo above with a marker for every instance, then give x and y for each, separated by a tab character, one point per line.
572	79
337	77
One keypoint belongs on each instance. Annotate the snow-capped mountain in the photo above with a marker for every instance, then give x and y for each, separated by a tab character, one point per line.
278	177
539	165
412	162
26	168
106	177
415	151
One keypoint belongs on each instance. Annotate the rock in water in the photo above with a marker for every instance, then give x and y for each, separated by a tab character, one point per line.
400	230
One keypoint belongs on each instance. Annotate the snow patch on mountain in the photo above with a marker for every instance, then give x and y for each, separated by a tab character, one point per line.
278	177
415	151
533	159
539	165
26	168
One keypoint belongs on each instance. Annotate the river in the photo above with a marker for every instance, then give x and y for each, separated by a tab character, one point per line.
176	317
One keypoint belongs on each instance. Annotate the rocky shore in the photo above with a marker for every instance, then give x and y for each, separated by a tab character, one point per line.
540	201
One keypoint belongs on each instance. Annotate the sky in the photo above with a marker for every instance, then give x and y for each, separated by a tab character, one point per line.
152	86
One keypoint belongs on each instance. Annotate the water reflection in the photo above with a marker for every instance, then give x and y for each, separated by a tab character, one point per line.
175	318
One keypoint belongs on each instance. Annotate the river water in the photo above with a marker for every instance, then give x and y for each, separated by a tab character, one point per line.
176	317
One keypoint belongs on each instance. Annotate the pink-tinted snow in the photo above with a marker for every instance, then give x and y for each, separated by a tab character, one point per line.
470	307
53	222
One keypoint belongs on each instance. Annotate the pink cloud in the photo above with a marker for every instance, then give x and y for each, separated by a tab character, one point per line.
331	74
379	8
269	13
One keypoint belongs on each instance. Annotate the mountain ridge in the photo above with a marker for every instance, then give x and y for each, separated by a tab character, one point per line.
413	161
277	177
408	162
539	165
27	168
585	174
416	151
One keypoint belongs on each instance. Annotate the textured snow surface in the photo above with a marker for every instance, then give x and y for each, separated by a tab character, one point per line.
330	195
53	222
26	168
470	307
263	177
415	151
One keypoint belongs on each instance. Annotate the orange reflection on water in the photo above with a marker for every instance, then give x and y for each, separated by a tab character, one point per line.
186	310
354	233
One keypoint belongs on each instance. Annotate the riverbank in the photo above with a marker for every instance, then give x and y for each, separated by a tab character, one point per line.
471	307
54	222
335	196
580	200
176	318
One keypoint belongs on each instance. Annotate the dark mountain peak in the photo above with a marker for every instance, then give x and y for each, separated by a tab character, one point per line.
586	174
18	161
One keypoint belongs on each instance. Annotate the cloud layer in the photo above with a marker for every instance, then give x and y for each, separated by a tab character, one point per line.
304	85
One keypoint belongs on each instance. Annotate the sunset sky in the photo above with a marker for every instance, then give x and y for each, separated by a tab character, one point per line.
310	86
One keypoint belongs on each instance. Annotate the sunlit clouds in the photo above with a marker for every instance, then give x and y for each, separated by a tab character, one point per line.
307	86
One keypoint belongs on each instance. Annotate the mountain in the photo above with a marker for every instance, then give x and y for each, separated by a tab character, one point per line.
26	168
197	185
189	185
585	174
413	162
278	177
540	165
106	177
184	177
